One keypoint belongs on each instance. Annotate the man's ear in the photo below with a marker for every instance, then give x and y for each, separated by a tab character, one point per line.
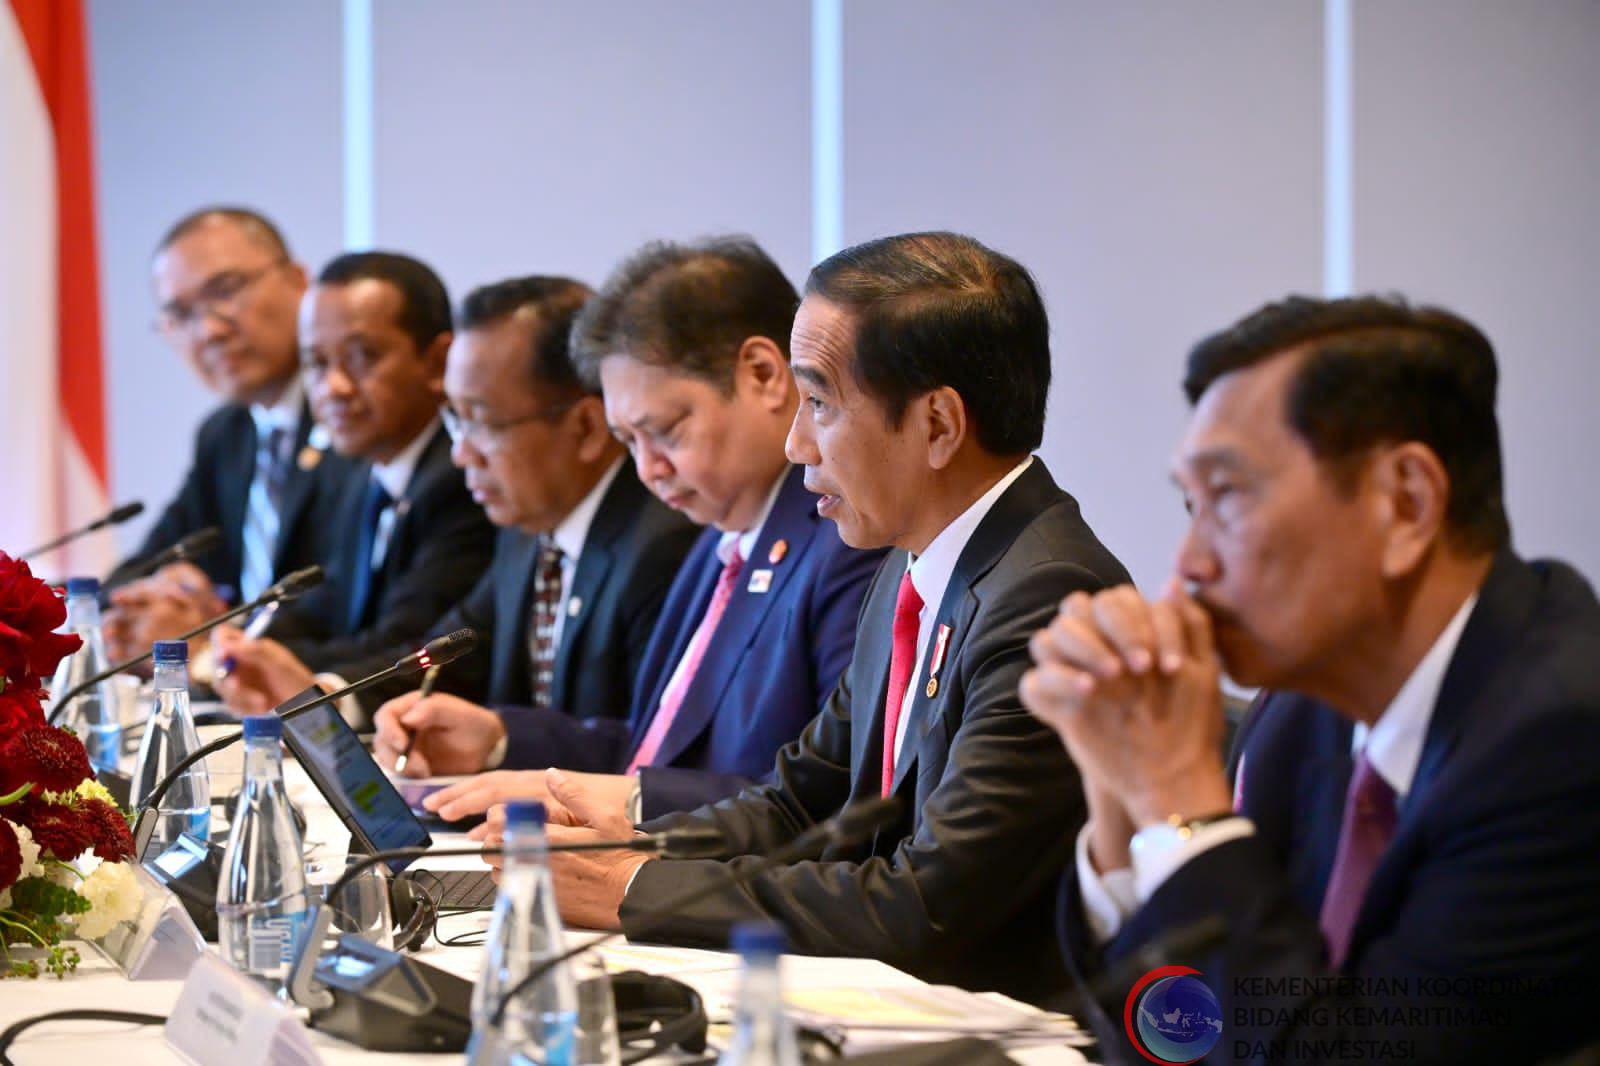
434	358
588	421
944	420
761	368
1412	494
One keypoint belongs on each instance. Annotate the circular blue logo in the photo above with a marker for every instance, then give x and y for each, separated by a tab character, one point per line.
1178	1019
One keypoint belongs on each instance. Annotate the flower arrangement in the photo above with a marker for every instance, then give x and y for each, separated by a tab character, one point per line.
64	845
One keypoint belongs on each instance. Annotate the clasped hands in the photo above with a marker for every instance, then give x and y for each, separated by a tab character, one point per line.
1132	687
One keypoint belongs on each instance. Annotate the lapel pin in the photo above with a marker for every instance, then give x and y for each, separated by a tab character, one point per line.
308	458
939	647
574	606
760	581
779	549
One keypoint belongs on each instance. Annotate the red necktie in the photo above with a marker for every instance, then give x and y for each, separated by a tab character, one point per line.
1369	821
672	698
907	619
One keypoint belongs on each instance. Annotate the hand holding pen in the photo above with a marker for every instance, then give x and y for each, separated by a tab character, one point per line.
259	621
427	690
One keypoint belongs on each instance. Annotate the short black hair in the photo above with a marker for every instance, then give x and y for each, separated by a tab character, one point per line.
688	307
553	302
424	302
940	309
1377	371
256	225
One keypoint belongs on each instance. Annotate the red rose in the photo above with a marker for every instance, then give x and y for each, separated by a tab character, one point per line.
59	830
10	855
30	613
51	758
20	709
112	840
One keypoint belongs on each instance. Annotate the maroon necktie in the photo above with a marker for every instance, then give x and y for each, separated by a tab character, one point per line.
672	696
907	619
542	631
1369	821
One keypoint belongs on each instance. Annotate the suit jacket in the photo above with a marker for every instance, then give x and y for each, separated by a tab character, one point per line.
631	554
960	889
1493	871
216	491
440	545
772	661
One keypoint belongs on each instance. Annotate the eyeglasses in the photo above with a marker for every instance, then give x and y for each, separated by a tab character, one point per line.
223	295
488	436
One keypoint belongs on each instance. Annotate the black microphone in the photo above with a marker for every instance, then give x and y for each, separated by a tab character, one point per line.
855	821
288	588
439	651
117	516
196	544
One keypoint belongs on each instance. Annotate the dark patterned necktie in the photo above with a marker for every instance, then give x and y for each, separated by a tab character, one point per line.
542	626
1369	821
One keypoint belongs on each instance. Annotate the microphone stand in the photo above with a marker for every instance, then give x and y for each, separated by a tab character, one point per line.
851	823
291	586
673	843
117	516
442	650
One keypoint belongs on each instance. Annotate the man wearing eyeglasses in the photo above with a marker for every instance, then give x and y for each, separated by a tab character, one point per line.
585	553
228	292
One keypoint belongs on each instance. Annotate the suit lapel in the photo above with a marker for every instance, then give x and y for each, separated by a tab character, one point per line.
611	520
1020	504
511	682
874	644
297	485
762	580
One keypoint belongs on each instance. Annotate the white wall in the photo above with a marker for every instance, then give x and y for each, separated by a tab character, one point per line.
1158	165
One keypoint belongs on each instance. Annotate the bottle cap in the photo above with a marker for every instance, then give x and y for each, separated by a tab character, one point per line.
524	814
172	651
83	586
262	727
758	938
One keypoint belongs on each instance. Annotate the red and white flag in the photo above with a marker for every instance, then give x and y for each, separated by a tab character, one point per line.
52	396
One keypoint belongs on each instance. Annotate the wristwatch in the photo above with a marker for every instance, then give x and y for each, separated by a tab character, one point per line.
1164	836
635	803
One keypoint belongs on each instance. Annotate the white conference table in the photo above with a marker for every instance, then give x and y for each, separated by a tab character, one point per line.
812	982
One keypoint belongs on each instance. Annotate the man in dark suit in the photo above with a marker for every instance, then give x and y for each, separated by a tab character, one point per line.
228	292
690	344
923	363
1404	868
538	457
376	330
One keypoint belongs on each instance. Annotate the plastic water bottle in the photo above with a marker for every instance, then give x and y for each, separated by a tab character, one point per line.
93	715
169	738
762	1033
261	899
540	1024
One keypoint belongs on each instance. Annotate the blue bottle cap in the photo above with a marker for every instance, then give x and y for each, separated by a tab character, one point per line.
172	651
757	938
525	813
263	727
83	586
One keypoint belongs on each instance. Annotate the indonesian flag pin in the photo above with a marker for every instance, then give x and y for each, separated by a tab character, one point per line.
939	645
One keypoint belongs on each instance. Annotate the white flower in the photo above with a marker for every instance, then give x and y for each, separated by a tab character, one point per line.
30	851
115	895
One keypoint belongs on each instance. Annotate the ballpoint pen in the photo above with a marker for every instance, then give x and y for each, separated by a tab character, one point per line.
259	621
427	690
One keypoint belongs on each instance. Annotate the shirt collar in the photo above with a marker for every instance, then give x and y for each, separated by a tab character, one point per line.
746	539
1394	744
282	413
572	531
931	571
395	475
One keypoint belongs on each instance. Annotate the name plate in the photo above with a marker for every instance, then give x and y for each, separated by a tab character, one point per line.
160	942
224	1016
